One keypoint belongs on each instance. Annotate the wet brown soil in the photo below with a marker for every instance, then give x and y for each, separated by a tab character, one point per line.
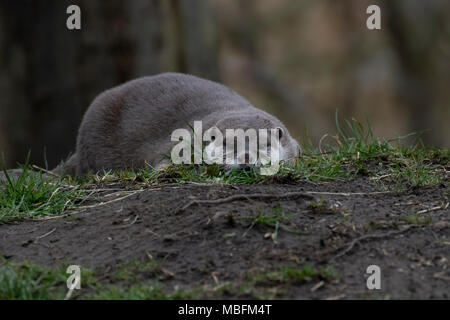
347	226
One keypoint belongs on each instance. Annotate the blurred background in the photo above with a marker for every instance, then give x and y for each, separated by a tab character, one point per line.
298	59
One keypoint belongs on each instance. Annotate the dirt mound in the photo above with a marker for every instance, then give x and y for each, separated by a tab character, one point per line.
346	226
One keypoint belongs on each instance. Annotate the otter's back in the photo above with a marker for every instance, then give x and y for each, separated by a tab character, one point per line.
121	120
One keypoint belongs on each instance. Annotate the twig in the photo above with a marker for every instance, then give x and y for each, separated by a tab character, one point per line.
45	235
130	224
58	216
107	202
102	190
347	194
249	228
338	297
317	286
320	142
365	237
441	275
380	177
215	278
46	171
410	203
208	184
443	207
247	197
75	209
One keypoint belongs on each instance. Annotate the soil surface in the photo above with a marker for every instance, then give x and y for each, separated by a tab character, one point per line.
347	226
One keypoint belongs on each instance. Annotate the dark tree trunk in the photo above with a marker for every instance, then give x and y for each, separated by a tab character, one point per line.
49	74
414	49
195	39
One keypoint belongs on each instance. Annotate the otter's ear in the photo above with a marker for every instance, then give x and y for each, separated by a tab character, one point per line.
280	133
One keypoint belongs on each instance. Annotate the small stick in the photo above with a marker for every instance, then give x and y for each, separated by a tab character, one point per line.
75	209
443	207
368	236
107	202
347	194
46	171
338	297
45	235
317	286
130	224
247	197
380	177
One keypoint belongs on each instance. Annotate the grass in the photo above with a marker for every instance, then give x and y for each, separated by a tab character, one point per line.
270	284
141	292
417	220
131	280
136	292
286	274
31	195
355	151
321	206
148	268
28	281
271	219
352	152
277	220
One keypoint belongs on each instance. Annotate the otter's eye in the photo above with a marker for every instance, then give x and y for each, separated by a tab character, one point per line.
280	133
213	138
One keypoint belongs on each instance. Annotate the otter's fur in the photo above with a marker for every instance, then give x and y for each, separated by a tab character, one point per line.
131	124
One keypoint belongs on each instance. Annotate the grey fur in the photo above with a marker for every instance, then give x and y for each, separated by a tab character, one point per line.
131	124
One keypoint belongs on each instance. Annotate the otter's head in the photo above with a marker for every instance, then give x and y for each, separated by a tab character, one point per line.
243	139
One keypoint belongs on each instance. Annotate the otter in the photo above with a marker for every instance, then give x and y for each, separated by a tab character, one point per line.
130	125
